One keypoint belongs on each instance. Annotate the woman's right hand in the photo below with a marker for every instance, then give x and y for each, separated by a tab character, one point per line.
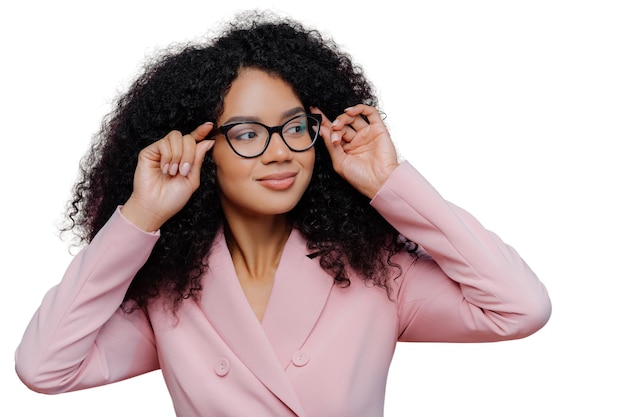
167	174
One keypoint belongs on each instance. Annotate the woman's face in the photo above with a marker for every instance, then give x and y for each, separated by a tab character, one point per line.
272	183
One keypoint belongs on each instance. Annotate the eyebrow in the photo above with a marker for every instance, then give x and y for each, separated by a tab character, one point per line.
289	113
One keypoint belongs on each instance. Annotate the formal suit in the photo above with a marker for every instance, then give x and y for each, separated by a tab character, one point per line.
320	350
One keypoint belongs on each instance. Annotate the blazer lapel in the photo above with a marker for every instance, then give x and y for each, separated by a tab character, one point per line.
301	288
228	310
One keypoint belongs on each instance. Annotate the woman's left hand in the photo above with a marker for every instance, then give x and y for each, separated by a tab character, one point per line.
360	147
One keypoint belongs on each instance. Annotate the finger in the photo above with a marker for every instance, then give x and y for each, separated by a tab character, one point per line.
164	151
194	173
369	114
326	128
360	122
333	144
189	150
342	121
201	150
201	132
188	155
356	117
349	125
345	135
175	141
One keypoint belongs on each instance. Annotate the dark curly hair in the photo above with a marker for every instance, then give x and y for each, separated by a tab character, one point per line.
184	87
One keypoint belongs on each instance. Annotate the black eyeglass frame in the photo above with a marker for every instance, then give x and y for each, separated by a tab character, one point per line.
271	130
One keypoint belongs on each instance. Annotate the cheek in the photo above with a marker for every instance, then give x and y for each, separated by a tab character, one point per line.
309	163
228	175
220	151
229	168
307	159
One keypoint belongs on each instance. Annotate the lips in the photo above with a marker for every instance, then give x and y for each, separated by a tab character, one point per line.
279	181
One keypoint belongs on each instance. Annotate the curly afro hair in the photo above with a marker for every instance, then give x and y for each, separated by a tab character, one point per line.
184	87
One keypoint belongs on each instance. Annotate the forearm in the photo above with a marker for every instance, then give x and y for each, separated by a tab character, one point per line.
60	343
494	292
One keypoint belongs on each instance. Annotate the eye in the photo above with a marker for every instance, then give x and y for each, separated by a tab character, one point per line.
247	135
296	127
245	132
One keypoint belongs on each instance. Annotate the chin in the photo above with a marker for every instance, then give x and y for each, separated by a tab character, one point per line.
278	210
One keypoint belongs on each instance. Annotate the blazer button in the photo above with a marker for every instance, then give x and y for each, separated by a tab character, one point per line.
300	358
222	366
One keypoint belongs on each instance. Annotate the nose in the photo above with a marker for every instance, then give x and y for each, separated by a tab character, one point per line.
277	150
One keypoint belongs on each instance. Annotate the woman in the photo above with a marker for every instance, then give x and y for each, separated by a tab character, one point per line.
261	252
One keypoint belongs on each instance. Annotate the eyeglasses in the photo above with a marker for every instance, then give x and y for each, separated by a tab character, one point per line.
251	139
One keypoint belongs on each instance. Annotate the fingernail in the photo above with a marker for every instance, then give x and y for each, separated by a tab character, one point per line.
165	168
334	138
208	123
184	170
335	122
173	169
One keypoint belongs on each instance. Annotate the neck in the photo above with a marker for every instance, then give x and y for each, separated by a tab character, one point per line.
256	244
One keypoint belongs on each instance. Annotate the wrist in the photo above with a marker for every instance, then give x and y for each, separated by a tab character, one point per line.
382	176
141	216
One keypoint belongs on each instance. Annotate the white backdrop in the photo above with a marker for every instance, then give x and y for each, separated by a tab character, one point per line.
513	110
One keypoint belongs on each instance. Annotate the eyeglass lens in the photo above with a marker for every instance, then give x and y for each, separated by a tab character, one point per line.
250	139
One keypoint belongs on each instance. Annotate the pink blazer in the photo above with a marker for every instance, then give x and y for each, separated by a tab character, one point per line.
321	350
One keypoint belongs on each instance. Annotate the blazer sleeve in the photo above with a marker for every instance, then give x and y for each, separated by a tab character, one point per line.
466	284
80	337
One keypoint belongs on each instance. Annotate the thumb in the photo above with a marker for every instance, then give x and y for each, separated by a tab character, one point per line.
202	147
201	131
337	154
201	150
